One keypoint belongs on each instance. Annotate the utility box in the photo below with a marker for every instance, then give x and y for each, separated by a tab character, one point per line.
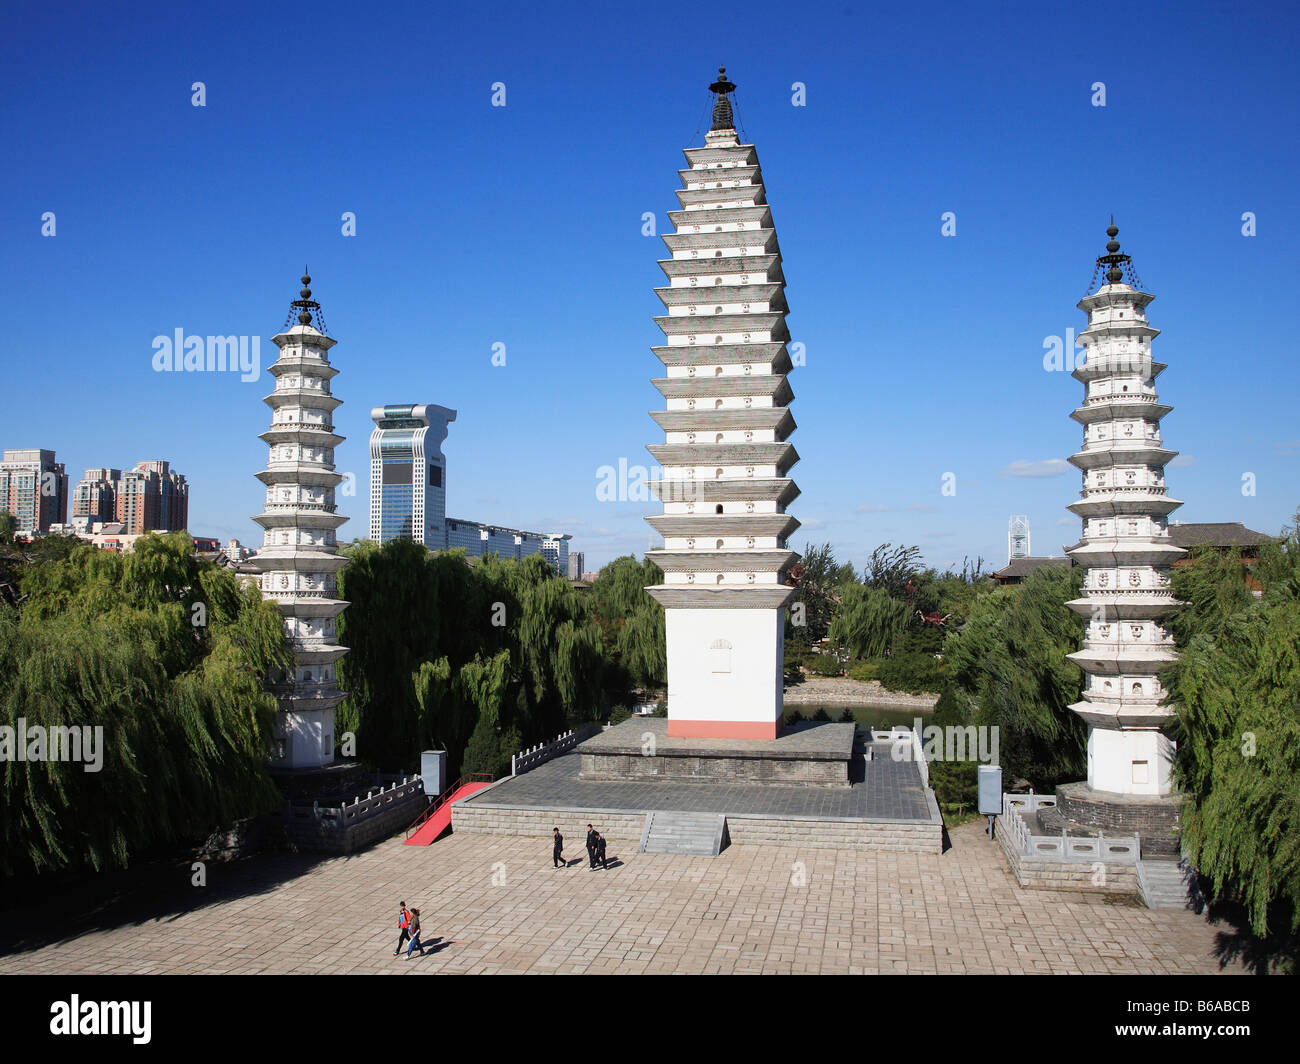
433	770
990	789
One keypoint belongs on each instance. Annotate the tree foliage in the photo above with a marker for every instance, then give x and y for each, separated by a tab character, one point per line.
114	642
1010	660
868	621
477	657
1237	689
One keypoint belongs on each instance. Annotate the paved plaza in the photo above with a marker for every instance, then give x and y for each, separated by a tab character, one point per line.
494	904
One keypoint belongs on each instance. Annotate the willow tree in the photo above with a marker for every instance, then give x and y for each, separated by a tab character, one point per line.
631	622
1010	660
165	654
868	622
1236	686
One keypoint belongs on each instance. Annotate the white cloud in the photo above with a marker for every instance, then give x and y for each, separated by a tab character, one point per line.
1182	460
1067	520
812	523
867	508
1051	467
924	508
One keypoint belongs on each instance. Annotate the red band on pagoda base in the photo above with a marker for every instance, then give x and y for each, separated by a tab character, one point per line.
723	729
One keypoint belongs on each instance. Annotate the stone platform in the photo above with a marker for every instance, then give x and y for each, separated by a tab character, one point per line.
1082	811
808	754
885	807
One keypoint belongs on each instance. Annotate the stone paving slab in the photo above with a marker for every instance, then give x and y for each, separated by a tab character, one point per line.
495	904
883	789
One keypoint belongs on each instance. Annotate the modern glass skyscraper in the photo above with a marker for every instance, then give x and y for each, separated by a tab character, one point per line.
408	492
408	474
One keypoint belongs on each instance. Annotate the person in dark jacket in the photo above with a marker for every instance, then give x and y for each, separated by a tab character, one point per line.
557	853
403	922
600	850
415	934
591	845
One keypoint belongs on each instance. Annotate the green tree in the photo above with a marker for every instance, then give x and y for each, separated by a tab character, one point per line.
1010	660
167	655
868	621
1237	688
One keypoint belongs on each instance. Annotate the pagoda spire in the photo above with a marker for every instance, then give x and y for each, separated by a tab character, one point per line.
307	308
1117	266
722	111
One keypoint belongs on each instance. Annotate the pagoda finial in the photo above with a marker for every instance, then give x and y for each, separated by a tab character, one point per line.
722	90
307	307
1118	266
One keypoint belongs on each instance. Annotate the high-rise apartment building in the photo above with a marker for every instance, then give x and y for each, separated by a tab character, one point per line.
151	497
95	496
34	488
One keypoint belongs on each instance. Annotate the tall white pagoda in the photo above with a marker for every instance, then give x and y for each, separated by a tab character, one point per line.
1125	550
727	453
298	556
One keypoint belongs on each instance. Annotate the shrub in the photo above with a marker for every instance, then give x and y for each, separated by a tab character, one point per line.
619	714
866	671
913	673
826	665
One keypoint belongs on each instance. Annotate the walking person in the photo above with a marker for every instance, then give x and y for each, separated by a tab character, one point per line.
415	934
600	850
557	854
591	845
403	922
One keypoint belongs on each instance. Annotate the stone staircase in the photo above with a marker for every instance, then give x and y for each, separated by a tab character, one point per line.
702	834
1165	884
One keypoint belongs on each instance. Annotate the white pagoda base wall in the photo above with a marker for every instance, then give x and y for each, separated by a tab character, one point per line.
1138	762
725	670
309	738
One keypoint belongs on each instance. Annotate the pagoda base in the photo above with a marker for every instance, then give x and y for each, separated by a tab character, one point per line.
805	754
1082	811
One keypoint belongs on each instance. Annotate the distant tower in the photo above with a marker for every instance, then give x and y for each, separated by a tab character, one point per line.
1018	537
727	452
298	556
408	474
1125	550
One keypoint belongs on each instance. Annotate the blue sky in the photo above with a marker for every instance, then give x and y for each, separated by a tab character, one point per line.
521	225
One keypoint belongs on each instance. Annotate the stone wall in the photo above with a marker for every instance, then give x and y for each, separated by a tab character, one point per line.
730	769
744	830
810	833
530	822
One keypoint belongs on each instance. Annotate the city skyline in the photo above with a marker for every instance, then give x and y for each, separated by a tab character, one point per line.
515	233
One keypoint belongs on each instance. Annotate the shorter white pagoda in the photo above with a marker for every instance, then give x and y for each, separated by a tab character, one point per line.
298	556
1125	550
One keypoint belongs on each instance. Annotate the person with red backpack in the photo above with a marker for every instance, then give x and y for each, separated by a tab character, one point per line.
404	923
